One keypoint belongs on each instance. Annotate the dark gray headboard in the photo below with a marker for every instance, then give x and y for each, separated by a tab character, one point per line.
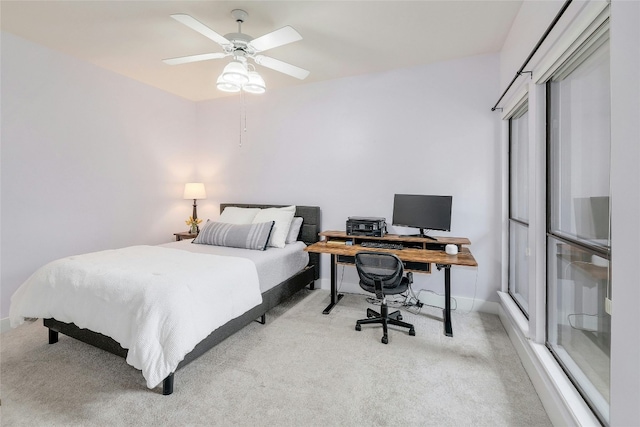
310	226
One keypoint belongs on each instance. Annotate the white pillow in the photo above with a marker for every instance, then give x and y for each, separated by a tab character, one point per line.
282	218
235	215
296	224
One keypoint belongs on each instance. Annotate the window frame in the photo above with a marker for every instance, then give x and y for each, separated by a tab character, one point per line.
581	244
520	109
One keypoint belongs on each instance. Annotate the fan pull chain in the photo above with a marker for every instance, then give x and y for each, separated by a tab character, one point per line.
243	117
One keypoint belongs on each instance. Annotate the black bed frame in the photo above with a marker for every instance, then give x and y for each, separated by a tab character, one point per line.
271	298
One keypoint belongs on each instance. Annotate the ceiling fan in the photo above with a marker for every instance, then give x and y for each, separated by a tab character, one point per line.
242	47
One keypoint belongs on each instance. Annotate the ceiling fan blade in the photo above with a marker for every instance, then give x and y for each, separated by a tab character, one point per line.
198	26
193	58
284	35
283	67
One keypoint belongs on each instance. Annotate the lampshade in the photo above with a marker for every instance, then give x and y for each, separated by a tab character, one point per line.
235	72
224	86
256	83
194	190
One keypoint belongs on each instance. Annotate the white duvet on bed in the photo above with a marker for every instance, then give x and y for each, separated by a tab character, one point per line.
274	265
157	302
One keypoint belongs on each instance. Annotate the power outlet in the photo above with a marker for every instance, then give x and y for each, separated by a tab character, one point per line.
607	305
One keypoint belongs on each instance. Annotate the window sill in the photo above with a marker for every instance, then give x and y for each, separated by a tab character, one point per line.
515	313
561	400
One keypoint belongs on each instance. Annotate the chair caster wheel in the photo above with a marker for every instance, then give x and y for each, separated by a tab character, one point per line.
358	327
412	332
385	340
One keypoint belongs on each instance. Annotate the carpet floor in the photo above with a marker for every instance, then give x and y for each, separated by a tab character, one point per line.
302	368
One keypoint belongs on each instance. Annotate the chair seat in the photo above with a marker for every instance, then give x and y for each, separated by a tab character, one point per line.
402	287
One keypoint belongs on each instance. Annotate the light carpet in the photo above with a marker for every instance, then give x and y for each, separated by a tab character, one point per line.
302	368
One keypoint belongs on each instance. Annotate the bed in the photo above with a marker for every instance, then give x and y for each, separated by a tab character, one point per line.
271	295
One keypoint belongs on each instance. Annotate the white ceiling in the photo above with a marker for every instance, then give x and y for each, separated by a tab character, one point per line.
340	38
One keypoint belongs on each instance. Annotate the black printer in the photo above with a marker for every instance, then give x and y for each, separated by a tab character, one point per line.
365	226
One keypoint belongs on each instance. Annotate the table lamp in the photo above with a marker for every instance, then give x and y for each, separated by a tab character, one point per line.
195	191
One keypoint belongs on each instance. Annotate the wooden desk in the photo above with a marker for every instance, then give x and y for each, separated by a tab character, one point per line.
418	255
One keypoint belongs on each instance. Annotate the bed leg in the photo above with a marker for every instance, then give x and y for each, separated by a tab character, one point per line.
262	320
53	336
167	385
312	285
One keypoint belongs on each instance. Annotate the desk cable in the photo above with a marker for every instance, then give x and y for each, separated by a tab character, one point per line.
573	324
413	300
571	316
420	304
410	300
475	290
341	280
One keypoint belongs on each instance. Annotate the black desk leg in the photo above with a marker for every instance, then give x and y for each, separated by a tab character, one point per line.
448	330
335	296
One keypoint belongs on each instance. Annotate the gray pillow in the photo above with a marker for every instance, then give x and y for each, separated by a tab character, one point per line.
247	236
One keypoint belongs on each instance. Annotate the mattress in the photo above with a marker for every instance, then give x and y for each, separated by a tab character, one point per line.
274	265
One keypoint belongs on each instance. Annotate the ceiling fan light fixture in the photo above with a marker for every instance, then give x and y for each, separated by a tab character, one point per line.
225	86
239	75
256	83
235	72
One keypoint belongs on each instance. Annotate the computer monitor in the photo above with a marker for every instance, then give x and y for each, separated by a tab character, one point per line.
423	212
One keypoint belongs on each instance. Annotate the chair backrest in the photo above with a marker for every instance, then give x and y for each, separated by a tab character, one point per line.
382	267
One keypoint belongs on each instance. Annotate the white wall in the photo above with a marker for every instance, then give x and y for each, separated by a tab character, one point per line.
625	214
531	22
90	160
349	145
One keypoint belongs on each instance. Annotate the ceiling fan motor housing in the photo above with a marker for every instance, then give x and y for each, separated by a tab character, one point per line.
239	40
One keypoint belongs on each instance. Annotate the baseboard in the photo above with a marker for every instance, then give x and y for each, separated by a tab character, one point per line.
560	399
5	325
463	304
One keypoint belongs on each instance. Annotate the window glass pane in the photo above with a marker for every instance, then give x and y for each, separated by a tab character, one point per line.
579	326
580	150
518	265
519	168
578	282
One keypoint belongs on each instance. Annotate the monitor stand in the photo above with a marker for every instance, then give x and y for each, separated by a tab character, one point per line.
424	234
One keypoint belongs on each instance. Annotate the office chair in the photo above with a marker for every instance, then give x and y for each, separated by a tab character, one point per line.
383	274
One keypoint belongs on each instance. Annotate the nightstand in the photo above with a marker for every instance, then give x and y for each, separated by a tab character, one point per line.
184	235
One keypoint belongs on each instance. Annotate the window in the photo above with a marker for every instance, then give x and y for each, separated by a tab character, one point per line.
578	244
519	207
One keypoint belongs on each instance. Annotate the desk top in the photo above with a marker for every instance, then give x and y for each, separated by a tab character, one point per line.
464	257
335	234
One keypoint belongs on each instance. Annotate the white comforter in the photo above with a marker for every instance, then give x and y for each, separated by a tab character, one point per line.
157	302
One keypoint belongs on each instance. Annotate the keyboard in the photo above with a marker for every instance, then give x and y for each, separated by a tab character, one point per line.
381	245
